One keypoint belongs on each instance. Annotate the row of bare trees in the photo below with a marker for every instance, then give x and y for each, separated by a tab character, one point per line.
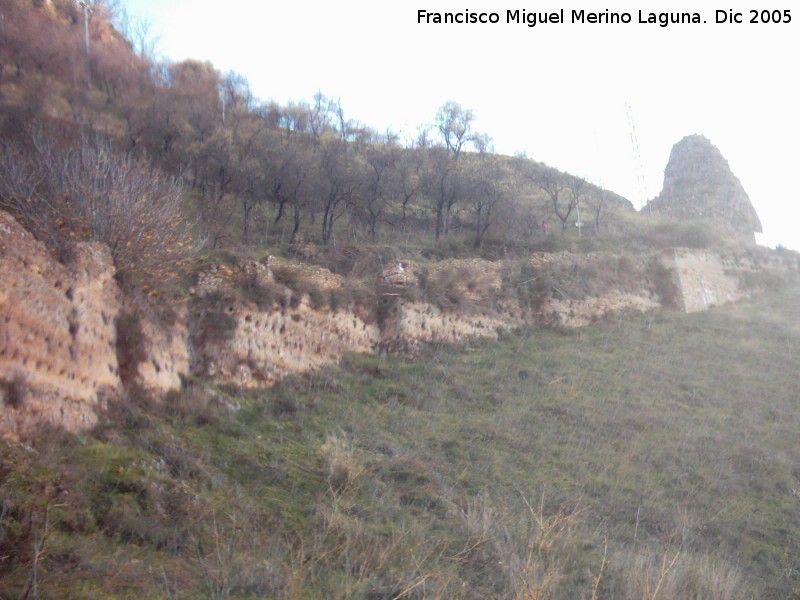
306	168
256	170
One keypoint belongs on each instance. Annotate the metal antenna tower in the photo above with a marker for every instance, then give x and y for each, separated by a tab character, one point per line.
84	4
637	155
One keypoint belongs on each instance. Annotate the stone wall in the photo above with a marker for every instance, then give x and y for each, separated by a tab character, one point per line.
579	313
703	281
57	333
410	324
166	355
67	344
265	345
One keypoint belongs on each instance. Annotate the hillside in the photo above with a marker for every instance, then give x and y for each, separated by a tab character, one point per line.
636	457
251	350
253	172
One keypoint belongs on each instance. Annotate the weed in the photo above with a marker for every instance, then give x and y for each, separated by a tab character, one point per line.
531	286
14	392
264	295
130	345
664	284
342	463
214	321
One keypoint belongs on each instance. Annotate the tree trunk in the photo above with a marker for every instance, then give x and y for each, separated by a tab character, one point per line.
296	228
281	206
478	231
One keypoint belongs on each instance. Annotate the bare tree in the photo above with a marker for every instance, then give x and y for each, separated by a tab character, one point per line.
408	179
455	127
577	186
216	210
25	193
490	187
600	202
381	161
337	182
553	184
319	116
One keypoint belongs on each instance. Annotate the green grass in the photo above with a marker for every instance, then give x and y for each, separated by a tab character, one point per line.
652	456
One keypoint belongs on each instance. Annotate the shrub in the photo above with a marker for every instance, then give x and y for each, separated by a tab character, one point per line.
14	392
283	401
300	286
341	461
452	286
263	295
213	322
130	345
663	279
286	276
351	297
356	261
89	192
531	286
449	247
761	280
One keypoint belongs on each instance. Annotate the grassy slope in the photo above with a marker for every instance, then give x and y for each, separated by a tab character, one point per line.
654	456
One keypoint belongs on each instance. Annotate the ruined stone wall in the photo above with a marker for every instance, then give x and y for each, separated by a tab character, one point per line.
703	281
57	333
709	278
166	358
63	331
248	342
409	324
263	346
579	313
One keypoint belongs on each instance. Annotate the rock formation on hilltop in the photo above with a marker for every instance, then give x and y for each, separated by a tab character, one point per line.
699	184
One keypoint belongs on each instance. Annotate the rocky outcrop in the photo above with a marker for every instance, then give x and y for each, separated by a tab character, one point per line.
699	184
57	333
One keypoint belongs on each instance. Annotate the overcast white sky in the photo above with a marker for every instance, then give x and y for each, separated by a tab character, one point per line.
555	91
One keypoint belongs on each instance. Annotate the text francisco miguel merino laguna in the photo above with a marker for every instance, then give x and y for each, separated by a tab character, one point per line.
662	19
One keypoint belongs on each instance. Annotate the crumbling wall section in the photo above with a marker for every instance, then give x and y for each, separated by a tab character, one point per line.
570	314
710	278
57	333
166	358
407	325
66	342
265	345
703	280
